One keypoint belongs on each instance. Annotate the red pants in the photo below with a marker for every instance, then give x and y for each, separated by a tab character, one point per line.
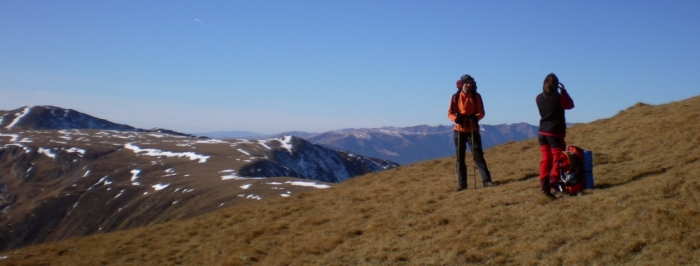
550	149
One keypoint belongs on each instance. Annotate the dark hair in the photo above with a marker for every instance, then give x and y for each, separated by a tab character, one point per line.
550	85
467	78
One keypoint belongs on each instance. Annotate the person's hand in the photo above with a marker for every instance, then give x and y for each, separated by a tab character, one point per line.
561	86
459	119
472	117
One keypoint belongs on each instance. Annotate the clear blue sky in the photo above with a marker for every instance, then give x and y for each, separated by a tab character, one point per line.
274	66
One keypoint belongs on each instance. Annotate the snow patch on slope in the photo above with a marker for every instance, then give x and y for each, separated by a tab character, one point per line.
135	176
307	184
19	117
48	153
155	152
160	186
287	143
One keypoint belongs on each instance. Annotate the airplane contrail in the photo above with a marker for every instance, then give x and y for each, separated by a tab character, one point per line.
205	24
217	30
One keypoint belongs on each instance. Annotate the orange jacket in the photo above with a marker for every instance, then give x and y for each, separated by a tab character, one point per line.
466	104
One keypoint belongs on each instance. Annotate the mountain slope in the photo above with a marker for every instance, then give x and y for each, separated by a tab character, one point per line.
644	210
57	184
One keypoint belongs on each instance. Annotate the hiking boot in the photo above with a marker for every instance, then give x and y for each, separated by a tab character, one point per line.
489	184
544	186
550	195
460	188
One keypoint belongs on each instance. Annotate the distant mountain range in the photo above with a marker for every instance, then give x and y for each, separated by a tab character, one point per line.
66	174
413	144
406	145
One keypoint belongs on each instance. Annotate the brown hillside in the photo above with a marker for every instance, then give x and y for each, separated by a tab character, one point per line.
61	184
645	210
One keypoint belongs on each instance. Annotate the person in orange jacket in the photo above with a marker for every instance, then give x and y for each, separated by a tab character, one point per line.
552	130
466	109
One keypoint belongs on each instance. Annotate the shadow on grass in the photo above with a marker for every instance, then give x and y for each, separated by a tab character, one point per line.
634	178
524	178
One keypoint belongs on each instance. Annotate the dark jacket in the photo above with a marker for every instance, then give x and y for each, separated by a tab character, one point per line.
552	119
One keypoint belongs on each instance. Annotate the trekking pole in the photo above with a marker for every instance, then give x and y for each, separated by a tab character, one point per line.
473	162
459	151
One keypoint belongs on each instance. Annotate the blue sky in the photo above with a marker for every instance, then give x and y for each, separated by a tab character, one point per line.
274	66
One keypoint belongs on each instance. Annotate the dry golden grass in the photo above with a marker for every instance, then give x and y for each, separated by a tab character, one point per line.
645	210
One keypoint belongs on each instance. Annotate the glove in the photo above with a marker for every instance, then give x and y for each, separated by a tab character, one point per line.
459	119
471	117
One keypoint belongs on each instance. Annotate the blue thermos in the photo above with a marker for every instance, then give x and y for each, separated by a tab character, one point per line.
588	168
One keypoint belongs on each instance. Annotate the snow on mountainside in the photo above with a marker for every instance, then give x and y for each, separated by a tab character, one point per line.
57	184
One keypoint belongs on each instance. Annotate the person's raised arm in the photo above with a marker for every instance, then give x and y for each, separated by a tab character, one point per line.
565	101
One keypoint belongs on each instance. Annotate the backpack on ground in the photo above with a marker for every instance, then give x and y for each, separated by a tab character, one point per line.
572	177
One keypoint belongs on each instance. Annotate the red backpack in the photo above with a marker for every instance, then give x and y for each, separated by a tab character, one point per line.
571	174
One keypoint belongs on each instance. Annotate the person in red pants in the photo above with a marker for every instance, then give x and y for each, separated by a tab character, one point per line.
551	103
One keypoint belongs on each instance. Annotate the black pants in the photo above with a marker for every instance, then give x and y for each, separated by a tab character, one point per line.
461	140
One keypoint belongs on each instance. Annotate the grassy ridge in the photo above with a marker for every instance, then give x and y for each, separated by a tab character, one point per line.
645	210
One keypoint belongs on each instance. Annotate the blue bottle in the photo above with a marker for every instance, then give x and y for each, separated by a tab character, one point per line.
588	168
